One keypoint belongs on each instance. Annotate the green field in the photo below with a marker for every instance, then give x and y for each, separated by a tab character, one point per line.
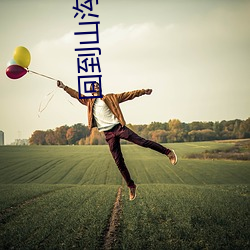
62	197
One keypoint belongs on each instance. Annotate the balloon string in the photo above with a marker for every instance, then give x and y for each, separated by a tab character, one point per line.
50	96
71	103
31	71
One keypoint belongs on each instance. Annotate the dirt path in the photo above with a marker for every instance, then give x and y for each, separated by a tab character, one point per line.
111	235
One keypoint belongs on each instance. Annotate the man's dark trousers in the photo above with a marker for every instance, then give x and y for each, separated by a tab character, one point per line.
113	137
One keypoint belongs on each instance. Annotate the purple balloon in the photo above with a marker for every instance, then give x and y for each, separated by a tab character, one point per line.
15	71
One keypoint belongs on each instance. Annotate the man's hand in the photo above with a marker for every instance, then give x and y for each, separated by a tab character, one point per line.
148	91
60	84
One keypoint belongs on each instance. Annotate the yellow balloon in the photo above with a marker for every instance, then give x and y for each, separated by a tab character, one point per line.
22	56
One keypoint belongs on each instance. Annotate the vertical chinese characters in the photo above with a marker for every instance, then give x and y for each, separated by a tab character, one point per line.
88	64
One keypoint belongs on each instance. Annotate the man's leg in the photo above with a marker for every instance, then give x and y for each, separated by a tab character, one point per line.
129	135
115	149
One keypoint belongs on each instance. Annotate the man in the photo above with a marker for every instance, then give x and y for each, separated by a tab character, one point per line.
105	114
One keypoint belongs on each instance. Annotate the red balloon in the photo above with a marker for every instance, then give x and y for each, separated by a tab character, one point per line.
15	71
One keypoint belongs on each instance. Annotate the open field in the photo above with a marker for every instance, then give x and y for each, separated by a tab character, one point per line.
62	197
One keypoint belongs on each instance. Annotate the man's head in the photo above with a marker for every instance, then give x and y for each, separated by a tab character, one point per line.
96	88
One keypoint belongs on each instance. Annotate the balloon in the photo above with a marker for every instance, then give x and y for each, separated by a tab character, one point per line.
15	71
11	62
22	56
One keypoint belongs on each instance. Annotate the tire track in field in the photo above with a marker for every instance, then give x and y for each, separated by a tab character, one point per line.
6	214
195	178
176	175
82	161
67	172
3	167
89	181
112	228
46	166
48	169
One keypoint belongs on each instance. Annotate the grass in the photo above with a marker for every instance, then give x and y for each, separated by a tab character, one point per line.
61	197
57	165
65	218
187	217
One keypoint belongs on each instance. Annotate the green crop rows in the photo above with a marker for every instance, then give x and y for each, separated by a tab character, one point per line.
61	197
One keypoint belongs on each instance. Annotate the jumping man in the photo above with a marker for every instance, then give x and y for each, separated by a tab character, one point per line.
105	114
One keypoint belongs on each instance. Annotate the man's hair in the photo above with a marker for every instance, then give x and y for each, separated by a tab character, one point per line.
91	86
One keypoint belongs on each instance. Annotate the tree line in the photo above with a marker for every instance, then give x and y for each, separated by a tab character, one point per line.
172	131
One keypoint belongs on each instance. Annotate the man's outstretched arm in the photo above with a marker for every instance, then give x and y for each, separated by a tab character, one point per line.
73	93
132	94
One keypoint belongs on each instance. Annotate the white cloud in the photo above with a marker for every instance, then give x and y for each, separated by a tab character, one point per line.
125	33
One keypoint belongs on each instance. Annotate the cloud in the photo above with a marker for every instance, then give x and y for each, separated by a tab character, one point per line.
134	44
118	43
125	33
55	57
210	43
55	47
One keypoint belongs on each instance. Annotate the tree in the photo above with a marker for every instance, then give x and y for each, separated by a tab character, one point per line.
60	134
245	129
38	138
159	135
95	138
202	135
196	126
145	133
217	129
175	133
185	130
50	137
70	136
157	125
82	142
76	133
236	128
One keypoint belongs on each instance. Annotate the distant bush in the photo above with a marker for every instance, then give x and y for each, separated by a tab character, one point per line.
239	151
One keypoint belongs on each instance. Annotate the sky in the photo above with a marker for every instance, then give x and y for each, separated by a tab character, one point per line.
194	54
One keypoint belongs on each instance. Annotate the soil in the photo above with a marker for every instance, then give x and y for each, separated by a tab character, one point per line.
112	231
